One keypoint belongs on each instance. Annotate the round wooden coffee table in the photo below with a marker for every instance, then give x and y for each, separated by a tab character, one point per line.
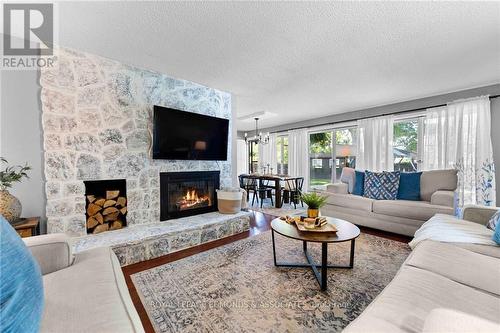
346	232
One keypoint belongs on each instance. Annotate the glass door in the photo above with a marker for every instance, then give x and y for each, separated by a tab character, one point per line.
345	150
253	157
320	159
282	155
329	152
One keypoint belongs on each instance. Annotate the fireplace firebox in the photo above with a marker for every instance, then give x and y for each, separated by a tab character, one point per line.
188	193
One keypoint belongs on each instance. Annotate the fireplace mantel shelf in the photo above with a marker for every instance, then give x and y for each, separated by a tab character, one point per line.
137	243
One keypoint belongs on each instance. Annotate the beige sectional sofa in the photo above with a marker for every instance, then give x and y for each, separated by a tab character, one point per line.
441	287
399	216
85	293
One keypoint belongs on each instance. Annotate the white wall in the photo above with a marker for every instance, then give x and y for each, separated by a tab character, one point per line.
234	146
21	135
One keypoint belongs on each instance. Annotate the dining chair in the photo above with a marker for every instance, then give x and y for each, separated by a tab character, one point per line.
264	191
249	184
293	190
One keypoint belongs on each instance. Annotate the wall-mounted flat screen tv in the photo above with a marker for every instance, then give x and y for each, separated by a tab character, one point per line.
181	135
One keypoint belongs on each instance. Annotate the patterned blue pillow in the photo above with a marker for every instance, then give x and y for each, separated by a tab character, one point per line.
381	185
492	223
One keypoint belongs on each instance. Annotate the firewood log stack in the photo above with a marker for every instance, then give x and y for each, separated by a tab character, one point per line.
106	213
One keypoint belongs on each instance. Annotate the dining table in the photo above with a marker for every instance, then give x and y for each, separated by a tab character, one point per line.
276	179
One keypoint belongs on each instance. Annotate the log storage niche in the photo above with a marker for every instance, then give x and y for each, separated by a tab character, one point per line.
106	205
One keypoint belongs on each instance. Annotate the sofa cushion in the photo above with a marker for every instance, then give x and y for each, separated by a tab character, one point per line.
381	185
409	186
487	250
434	180
406	302
460	265
449	321
348	177
418	210
350	201
21	289
359	183
86	297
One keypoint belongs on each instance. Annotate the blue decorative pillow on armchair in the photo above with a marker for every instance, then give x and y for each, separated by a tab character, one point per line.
381	185
21	288
496	234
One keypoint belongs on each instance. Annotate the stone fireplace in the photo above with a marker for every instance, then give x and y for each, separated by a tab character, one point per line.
97	125
105	205
187	193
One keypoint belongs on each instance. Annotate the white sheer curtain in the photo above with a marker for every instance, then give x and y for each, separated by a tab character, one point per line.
374	151
459	136
268	154
298	155
241	157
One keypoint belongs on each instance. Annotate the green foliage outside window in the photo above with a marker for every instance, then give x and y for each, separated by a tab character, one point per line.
406	135
321	143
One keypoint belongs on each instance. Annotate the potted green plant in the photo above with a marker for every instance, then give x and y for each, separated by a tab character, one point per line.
10	206
314	202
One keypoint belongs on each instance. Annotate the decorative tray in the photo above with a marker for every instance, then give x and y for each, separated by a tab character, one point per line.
325	228
320	224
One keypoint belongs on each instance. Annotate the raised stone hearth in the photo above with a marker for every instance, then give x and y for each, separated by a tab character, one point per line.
147	241
96	120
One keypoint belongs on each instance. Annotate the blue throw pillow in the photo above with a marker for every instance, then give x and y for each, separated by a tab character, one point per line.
409	186
496	235
359	183
21	288
381	185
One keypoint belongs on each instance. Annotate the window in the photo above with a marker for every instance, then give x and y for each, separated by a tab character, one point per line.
320	149
317	163
329	152
282	155
345	150
406	142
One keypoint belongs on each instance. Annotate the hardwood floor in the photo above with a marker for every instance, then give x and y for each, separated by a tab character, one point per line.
259	222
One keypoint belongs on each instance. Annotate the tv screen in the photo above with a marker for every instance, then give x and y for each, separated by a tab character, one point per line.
181	135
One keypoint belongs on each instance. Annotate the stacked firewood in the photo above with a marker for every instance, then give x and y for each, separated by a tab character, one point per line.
106	213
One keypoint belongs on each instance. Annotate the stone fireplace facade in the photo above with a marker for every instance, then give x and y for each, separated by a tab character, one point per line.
97	123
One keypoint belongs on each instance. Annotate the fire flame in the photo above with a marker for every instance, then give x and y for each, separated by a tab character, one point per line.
191	196
192	199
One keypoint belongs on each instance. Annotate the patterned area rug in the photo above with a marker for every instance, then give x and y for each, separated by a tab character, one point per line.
287	209
236	288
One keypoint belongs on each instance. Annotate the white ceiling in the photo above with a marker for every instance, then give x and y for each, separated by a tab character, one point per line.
298	60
